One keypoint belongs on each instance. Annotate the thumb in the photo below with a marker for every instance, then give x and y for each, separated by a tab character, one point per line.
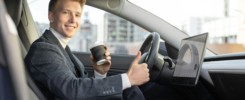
137	58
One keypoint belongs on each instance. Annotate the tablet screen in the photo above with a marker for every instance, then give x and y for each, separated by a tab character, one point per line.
189	61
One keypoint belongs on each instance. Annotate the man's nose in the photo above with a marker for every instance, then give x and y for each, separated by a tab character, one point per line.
73	18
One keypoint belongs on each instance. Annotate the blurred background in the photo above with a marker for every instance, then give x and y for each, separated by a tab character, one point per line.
223	19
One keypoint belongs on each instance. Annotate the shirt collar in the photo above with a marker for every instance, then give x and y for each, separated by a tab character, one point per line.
63	40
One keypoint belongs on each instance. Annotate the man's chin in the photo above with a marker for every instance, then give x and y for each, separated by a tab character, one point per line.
69	35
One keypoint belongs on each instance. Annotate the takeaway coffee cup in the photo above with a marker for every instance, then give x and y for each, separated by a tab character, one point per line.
98	52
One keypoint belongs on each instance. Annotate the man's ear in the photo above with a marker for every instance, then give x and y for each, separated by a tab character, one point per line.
51	16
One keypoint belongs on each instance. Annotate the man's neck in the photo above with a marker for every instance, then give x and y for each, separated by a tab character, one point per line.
63	40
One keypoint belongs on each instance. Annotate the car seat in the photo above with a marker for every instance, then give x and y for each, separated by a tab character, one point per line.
25	90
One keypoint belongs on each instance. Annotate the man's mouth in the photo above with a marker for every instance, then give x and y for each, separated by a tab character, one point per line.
70	26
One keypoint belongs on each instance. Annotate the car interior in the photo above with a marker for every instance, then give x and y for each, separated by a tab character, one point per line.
222	76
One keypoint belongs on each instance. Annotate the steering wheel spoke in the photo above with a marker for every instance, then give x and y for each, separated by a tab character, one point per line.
150	49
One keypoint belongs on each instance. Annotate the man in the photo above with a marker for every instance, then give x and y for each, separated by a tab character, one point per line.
60	75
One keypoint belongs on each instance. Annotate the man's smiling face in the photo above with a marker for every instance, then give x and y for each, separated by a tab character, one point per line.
66	18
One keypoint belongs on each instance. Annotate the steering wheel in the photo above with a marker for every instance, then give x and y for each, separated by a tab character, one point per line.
149	51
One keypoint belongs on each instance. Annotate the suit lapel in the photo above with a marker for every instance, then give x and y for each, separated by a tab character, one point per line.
53	40
77	68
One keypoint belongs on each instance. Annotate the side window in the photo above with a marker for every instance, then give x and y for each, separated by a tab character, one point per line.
120	35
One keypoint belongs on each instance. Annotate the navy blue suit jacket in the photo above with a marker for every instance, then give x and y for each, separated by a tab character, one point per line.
59	77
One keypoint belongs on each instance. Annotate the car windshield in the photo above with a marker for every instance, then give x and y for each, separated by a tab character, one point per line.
224	20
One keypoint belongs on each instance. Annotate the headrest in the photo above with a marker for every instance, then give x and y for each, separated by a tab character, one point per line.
14	8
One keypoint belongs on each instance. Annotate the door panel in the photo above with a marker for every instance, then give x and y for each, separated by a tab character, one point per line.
227	73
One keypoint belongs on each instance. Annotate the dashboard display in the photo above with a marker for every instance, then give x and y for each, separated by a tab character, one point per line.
189	61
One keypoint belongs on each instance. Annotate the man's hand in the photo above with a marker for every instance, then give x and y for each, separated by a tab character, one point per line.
138	74
104	68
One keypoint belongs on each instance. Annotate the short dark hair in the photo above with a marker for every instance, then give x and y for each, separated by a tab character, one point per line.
53	3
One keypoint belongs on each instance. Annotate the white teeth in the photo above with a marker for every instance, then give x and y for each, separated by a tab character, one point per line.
71	26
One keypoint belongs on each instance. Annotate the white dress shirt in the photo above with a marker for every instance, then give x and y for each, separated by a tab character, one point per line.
64	41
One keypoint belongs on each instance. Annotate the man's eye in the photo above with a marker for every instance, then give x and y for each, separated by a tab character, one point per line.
65	12
78	15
